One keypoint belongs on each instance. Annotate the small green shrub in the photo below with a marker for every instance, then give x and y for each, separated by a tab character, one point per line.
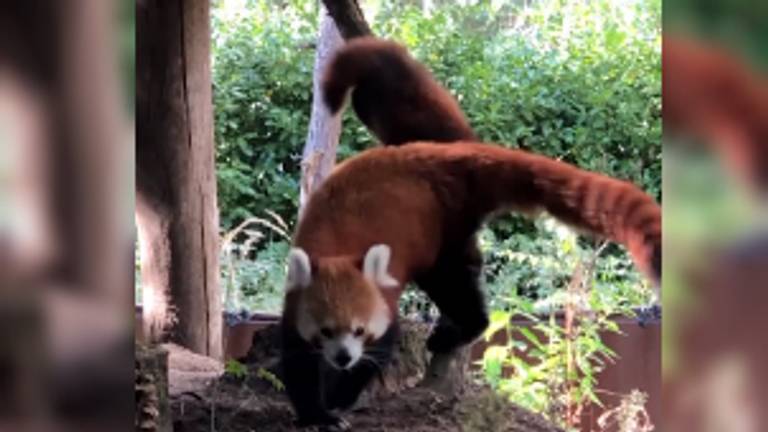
548	365
236	369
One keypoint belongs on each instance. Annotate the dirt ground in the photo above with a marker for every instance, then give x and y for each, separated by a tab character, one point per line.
205	400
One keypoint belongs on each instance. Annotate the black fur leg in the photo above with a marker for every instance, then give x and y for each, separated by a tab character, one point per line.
445	336
302	377
454	287
316	390
348	385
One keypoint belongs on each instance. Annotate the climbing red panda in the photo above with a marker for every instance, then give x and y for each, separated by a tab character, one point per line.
394	95
393	215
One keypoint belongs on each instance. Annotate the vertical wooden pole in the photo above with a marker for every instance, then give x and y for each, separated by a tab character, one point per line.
177	213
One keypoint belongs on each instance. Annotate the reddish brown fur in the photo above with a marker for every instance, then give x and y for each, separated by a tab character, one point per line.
423	199
395	96
713	95
336	290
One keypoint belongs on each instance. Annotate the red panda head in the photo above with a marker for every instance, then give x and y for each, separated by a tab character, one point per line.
340	305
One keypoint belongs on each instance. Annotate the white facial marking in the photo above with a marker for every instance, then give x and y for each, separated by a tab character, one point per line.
299	270
345	342
376	266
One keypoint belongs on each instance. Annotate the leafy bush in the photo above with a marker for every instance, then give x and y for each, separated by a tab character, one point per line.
262	74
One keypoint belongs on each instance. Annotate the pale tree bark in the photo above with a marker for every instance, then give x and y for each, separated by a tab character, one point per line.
177	213
319	154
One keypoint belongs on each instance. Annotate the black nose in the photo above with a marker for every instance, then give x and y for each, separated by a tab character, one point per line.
342	358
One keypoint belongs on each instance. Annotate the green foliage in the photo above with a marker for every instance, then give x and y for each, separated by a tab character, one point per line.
252	274
236	369
539	267
262	72
240	371
268	376
547	365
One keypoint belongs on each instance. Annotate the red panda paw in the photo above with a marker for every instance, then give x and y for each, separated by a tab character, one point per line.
329	423
341	425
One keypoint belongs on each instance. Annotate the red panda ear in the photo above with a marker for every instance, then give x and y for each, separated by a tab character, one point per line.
376	265
299	270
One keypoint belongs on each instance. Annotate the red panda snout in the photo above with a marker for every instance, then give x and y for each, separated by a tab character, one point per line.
339	305
343	351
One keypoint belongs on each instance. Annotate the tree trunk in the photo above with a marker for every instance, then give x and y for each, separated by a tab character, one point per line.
324	129
152	412
175	180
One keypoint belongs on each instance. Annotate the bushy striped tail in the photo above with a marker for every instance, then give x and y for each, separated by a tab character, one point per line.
610	208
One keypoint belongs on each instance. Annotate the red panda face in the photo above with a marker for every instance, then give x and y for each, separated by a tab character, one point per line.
340	306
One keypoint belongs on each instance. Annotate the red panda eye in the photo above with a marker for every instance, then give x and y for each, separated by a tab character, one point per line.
359	331
326	332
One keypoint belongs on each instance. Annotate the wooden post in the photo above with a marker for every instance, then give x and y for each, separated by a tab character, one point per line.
177	213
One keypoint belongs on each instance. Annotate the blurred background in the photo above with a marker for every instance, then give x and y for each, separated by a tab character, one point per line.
66	214
715	172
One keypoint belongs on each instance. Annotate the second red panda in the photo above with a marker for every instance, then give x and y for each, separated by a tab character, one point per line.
393	215
394	95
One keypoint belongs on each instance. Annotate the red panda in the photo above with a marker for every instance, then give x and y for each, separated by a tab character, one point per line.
393	215
395	96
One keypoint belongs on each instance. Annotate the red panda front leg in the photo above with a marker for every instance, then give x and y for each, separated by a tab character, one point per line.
303	378
454	286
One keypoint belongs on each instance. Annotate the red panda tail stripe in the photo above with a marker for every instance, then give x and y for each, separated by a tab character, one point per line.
592	206
608	207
